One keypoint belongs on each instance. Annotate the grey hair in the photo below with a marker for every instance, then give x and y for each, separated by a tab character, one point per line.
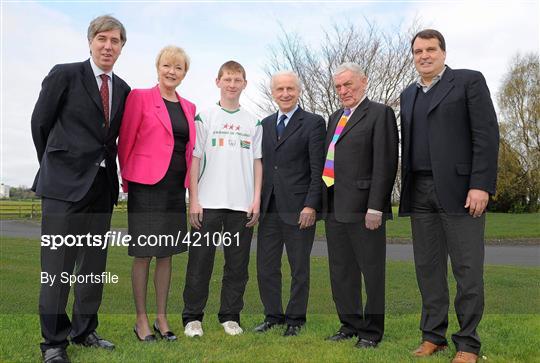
349	66
106	23
286	73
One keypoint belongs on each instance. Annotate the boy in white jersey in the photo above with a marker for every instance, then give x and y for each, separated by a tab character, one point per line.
224	202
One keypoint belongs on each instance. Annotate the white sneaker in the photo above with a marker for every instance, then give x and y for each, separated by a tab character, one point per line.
193	329
232	328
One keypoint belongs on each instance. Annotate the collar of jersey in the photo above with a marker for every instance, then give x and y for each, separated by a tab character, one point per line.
235	111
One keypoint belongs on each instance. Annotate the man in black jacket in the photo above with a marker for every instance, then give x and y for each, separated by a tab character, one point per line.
359	173
75	124
450	141
293	156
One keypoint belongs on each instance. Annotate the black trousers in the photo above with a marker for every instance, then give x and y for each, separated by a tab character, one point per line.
436	235
201	264
92	214
273	234
355	252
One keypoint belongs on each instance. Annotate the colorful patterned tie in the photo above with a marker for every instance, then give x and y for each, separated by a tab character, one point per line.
104	91
328	172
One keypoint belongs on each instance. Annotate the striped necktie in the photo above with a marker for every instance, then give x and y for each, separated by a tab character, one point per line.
328	172
104	93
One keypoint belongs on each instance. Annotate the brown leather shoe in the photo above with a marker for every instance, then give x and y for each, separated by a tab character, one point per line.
465	357
428	348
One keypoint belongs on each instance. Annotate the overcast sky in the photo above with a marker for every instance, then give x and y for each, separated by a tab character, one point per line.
480	35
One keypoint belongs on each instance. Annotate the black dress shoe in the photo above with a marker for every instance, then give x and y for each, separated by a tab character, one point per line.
168	336
147	339
339	336
265	326
93	340
55	355
364	343
292	330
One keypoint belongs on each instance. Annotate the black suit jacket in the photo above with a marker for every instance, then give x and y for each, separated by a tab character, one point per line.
69	133
292	166
463	139
365	162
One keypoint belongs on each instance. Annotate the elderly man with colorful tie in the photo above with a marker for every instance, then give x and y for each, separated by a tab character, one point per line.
358	175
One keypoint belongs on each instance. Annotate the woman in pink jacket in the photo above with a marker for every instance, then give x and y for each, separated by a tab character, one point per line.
155	145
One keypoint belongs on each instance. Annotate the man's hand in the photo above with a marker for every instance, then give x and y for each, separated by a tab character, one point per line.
253	214
477	201
373	221
307	217
195	214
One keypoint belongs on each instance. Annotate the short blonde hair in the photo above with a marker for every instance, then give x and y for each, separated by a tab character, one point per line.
174	52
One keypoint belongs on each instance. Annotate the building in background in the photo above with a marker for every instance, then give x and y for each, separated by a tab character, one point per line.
4	191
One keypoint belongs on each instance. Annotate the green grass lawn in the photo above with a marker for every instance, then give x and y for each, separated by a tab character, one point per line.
510	329
499	226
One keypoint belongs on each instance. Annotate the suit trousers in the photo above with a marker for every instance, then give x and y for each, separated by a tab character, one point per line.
436	235
92	214
201	263
355	252
273	234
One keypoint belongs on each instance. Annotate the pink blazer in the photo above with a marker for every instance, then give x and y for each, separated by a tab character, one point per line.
146	142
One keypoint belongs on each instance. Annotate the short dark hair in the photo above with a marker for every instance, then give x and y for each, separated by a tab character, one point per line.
231	66
430	34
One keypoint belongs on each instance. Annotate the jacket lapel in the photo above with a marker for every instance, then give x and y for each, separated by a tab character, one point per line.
161	110
90	84
115	97
445	85
332	123
409	97
271	129
294	124
355	118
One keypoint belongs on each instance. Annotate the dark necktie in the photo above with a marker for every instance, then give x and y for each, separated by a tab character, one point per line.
281	126
104	91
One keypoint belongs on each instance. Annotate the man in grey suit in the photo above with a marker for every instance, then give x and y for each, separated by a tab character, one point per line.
450	140
293	156
359	173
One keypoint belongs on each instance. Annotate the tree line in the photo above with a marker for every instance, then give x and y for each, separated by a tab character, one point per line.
386	58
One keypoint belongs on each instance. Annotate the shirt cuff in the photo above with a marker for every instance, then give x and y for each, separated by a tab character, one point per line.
376	212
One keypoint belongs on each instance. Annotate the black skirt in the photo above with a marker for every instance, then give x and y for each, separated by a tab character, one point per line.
157	217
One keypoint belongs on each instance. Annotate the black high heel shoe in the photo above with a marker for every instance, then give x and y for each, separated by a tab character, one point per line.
168	336
147	339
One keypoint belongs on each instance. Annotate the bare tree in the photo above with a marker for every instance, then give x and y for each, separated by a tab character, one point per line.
519	103
384	55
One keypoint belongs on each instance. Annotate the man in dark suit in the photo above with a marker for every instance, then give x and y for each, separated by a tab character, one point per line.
450	141
359	173
75	124
293	156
